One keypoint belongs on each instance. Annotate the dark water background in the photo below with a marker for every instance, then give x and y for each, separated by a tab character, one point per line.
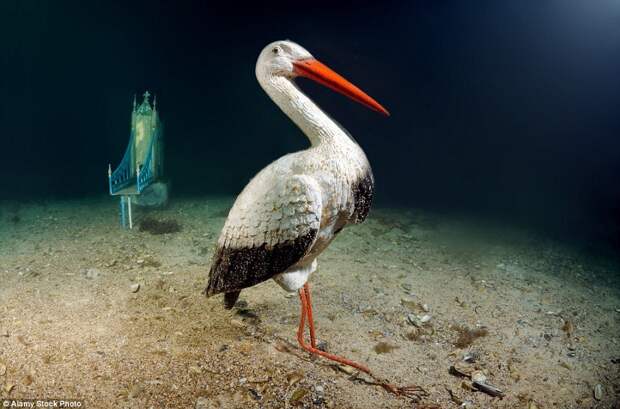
504	109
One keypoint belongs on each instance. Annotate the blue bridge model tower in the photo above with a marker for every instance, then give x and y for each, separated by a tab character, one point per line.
142	163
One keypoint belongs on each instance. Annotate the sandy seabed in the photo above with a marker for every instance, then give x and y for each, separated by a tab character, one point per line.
72	324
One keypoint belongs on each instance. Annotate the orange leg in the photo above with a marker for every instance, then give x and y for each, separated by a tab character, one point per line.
300	336
306	311
310	318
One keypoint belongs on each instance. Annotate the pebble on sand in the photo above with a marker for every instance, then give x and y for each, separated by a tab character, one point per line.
91	273
135	287
202	403
598	392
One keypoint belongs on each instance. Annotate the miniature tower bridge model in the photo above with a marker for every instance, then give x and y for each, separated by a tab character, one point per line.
142	164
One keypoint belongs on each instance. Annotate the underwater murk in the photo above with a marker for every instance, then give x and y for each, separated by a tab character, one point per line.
399	205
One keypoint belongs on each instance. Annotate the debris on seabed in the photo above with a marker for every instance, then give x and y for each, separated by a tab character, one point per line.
598	392
488	389
294	377
384	348
135	391
135	287
27	380
194	370
297	396
471	357
414	320
91	273
349	370
568	328
478	378
237	323
467	336
202	403
460	369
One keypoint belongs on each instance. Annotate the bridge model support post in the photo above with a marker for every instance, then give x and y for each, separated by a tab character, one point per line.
123	208
129	207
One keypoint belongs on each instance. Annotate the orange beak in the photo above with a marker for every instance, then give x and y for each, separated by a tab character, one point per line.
319	72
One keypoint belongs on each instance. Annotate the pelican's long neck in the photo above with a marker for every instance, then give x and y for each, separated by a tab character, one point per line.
316	124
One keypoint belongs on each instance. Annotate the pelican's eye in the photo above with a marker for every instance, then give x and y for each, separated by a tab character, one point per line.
276	50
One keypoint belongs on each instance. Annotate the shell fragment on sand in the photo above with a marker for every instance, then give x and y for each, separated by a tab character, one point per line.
478	378
598	392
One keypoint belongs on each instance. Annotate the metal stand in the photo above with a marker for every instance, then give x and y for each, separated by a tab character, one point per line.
126	219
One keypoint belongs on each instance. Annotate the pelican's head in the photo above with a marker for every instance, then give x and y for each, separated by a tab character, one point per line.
290	60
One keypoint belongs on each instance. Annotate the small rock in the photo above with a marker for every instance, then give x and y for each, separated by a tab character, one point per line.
8	387
135	391
319	389
384	348
91	273
2	369
514	373
478	376
426	318
468	386
598	392
414	320
349	370
467	404
425	308
237	323
298	395
294	377
461	369
471	357
409	303
27	380
202	403
135	287
4	333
